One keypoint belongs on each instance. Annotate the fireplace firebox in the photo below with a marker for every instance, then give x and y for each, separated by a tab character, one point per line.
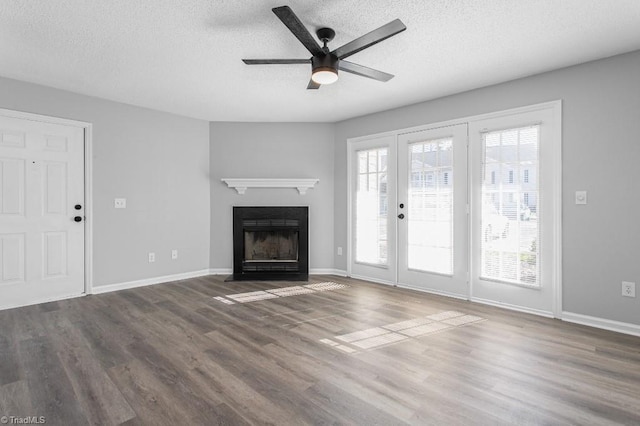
270	243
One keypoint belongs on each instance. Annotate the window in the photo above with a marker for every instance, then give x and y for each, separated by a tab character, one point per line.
372	207
493	178
525	176
509	232
430	228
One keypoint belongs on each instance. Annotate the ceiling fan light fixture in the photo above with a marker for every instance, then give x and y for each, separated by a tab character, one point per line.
324	75
324	69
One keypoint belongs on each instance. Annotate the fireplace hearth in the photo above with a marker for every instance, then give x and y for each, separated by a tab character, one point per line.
270	243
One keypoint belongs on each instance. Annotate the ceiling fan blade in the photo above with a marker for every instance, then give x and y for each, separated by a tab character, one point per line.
376	36
364	71
313	85
298	29
275	61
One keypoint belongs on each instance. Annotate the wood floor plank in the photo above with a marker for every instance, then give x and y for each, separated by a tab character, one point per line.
97	327
15	399
9	365
246	401
175	385
51	392
147	396
100	399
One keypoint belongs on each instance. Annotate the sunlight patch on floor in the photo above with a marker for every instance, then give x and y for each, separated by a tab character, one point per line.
384	335
275	293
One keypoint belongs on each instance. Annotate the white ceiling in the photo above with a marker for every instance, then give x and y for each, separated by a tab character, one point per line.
184	56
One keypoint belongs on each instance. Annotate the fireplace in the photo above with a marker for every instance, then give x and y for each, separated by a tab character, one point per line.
270	243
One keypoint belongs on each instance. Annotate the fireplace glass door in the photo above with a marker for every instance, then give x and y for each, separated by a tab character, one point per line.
273	246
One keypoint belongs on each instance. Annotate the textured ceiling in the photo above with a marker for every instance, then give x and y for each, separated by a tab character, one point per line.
184	56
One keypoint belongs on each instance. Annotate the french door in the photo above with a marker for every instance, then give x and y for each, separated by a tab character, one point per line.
469	210
408	205
373	218
432	210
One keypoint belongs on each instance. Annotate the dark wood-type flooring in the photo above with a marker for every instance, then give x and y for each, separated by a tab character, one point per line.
170	354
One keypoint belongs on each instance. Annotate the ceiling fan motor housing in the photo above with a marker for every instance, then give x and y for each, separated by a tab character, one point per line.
327	62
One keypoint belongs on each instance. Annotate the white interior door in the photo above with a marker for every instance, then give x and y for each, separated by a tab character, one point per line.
41	182
372	192
432	210
516	210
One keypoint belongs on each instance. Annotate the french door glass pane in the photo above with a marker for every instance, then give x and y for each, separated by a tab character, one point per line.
510	228
430	206
372	207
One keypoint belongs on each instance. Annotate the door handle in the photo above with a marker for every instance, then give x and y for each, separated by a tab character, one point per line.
401	216
78	218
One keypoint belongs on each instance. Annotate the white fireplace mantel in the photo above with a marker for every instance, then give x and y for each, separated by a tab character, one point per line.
241	184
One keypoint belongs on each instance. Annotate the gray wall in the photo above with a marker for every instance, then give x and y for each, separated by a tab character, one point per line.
159	162
272	150
601	154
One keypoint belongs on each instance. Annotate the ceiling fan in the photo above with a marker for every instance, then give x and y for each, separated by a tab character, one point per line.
324	63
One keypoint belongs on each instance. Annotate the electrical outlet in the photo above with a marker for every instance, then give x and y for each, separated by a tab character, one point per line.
174	254
628	289
120	203
152	257
339	251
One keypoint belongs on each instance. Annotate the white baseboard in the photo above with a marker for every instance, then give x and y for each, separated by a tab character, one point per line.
539	312
620	327
221	271
373	280
327	271
438	292
148	281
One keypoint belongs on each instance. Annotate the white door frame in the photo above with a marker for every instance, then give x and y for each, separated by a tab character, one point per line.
88	182
557	220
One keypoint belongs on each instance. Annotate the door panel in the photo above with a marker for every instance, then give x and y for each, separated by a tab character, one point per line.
42	179
12	184
432	187
372	190
514	207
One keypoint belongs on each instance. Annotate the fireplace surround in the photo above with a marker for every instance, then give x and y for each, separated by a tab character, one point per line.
270	243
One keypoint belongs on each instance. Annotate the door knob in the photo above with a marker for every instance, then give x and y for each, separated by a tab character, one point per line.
78	218
401	216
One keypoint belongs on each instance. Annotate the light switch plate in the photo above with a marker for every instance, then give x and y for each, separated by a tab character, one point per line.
581	197
120	203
